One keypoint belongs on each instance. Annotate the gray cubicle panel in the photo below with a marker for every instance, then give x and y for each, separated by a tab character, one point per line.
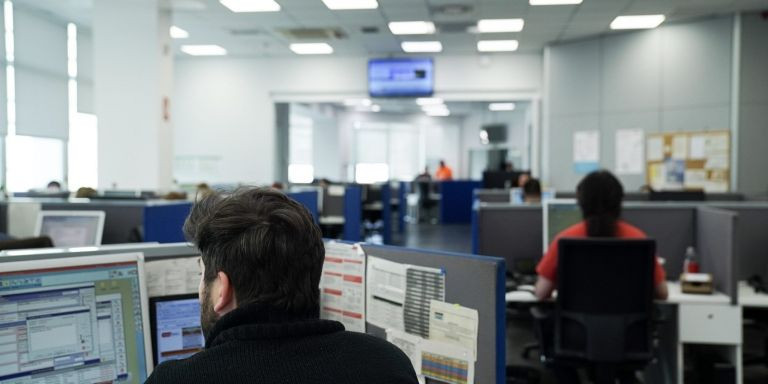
492	195
333	204
4	218
717	245
474	282
151	251
752	238
513	232
673	226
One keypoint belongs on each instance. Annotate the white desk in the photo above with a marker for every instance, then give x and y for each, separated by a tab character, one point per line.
749	298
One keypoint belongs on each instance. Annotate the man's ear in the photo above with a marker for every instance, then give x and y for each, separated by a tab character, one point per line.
225	299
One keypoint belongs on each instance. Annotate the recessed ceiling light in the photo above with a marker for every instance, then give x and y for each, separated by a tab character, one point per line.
424	101
434	108
498	107
311	49
375	108
555	2
178	33
497	45
637	22
251	5
351	4
422	46
412	27
500	25
203	50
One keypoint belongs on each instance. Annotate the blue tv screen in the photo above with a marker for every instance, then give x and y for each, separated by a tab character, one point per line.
406	77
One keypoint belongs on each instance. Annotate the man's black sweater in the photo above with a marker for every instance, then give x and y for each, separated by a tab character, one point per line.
254	344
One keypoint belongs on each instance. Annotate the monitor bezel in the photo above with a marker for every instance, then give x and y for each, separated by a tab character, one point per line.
100	215
88	261
545	204
153	301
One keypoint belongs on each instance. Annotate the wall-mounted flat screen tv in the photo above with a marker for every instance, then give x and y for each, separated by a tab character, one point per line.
403	77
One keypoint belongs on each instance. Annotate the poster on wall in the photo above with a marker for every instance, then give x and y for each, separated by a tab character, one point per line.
629	151
586	151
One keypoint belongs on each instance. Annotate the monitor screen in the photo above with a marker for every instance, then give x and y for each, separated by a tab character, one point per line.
406	77
558	216
71	229
176	330
77	320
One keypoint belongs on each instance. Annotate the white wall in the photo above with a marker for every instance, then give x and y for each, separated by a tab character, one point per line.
224	106
674	78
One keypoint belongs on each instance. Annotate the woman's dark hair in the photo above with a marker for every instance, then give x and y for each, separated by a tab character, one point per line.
600	194
268	245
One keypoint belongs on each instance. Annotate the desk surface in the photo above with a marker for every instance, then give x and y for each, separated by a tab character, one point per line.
676	296
749	298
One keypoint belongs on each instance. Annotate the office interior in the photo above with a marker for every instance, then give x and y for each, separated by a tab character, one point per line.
136	108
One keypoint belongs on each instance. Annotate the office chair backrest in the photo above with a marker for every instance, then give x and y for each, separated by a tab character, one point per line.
605	299
28	243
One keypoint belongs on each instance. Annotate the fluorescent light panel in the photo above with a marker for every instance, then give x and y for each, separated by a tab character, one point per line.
337	5
500	25
498	107
497	45
251	5
555	2
441	113
425	101
355	102
421	46
203	50
178	33
412	27
311	49
637	22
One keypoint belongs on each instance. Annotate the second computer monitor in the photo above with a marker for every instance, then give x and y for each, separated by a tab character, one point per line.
71	228
176	330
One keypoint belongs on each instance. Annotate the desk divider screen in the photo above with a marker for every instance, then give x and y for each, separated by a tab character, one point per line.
471	281
513	232
718	248
309	199
752	257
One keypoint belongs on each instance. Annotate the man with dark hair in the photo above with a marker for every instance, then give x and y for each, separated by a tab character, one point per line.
262	256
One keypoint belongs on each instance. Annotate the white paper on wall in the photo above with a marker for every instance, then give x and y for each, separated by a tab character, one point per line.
629	151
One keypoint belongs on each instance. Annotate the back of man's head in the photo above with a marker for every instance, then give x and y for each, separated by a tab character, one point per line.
267	244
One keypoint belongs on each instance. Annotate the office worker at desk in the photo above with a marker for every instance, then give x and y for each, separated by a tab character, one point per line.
599	196
262	256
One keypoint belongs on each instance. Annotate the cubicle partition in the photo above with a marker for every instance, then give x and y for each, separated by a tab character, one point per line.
456	201
513	232
752	238
309	199
475	282
125	220
402	207
386	212
673	226
493	195
717	245
353	213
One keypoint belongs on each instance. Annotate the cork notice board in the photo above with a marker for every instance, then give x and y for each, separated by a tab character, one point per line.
689	160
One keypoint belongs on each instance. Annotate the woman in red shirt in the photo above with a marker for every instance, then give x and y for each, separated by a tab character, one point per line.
599	195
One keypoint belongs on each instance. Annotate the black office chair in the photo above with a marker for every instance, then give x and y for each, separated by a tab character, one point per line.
603	314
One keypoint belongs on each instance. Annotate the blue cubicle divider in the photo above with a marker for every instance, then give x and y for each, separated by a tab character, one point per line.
402	205
163	223
353	213
308	199
456	201
386	212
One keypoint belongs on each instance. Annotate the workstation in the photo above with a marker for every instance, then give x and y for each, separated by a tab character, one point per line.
439	192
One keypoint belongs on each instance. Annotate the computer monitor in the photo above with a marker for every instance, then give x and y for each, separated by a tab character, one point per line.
558	215
176	330
71	228
81	319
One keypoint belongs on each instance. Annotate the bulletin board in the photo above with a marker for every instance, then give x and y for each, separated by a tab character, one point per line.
689	160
